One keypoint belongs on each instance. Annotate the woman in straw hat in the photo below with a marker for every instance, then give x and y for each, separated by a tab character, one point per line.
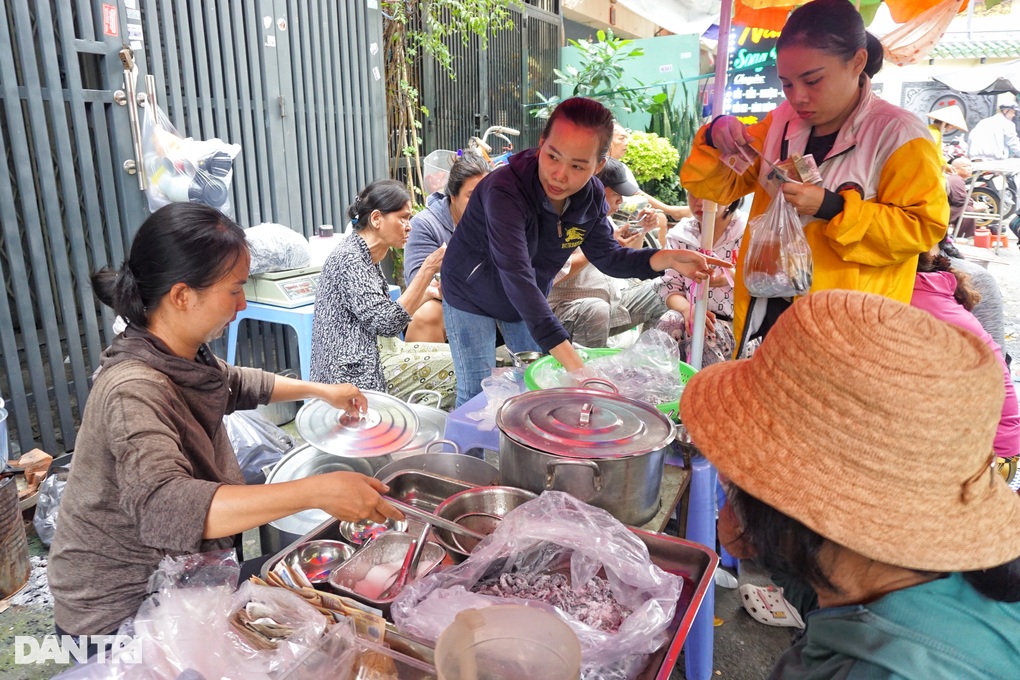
917	568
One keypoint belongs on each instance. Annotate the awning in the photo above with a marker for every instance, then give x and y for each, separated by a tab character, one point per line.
976	49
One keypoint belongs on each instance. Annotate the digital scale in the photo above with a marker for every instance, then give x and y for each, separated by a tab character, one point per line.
288	288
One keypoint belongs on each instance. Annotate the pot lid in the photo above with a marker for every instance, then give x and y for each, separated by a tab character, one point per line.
387	425
431	426
580	423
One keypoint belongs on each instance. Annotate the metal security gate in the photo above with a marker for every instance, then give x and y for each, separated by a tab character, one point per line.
493	86
298	85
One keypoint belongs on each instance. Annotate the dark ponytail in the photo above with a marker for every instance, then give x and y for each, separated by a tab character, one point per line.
184	243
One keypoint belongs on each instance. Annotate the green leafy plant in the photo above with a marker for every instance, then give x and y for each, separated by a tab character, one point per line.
413	29
650	156
600	76
679	124
655	163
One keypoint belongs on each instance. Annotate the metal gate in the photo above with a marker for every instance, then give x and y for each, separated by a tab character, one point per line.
298	85
493	86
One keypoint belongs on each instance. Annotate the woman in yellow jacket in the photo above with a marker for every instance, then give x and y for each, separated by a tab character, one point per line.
882	198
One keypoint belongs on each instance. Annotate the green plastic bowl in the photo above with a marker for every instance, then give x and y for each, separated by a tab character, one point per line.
670	408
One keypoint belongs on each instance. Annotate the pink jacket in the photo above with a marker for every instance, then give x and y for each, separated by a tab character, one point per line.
933	292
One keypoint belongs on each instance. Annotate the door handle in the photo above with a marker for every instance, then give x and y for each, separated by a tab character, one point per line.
131	101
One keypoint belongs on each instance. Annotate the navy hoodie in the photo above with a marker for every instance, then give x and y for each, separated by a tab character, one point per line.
510	244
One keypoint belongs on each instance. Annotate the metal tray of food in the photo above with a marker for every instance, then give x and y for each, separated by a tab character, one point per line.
388	550
423	489
694	562
697	565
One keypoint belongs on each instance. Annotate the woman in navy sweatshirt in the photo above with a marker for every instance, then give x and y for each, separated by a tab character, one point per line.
521	224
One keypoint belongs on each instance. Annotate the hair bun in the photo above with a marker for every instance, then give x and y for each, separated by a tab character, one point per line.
876	55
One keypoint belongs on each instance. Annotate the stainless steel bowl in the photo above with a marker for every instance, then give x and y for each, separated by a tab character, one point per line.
318	559
363	531
479	509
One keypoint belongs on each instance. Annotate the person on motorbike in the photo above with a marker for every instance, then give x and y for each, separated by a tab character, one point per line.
995	139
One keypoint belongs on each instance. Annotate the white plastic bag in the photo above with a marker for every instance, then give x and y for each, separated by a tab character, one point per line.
543	534
182	169
498	387
778	262
275	247
184	629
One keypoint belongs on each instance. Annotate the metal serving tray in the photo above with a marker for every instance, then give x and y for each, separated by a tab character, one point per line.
694	562
422	489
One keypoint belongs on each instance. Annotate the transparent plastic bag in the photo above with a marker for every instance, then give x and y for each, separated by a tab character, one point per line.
182	169
47	505
276	247
778	261
184	630
256	441
649	370
552	532
498	387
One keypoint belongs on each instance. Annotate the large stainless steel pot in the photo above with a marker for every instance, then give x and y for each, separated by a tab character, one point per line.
602	448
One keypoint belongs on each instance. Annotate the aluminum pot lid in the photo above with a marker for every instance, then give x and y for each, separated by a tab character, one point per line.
386	426
431	426
584	423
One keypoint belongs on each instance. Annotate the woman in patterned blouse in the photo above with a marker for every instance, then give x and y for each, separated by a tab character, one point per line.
352	303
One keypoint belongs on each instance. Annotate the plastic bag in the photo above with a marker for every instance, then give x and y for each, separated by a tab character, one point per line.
275	247
542	535
648	370
184	630
47	504
256	441
184	169
498	387
778	261
914	39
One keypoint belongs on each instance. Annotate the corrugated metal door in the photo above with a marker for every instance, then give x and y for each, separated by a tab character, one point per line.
298	85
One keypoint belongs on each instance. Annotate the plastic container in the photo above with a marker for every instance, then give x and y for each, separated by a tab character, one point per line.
670	408
437	169
508	642
982	238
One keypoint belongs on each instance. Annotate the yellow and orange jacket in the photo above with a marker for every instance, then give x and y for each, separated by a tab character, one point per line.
888	172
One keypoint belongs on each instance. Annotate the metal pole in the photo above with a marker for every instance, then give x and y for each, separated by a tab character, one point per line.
701	305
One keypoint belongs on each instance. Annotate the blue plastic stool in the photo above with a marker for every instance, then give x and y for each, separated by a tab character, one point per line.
467	433
725	559
298	318
701	529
